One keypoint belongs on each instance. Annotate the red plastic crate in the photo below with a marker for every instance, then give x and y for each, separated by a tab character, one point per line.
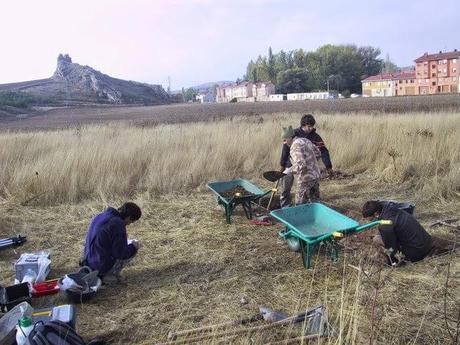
48	287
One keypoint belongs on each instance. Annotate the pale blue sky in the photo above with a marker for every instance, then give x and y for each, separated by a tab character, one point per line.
197	41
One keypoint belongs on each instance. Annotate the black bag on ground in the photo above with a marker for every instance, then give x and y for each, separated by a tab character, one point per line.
57	333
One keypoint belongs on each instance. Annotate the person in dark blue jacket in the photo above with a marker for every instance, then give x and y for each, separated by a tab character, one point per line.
107	248
306	130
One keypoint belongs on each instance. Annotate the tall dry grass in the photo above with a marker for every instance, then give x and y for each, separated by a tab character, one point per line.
193	271
420	151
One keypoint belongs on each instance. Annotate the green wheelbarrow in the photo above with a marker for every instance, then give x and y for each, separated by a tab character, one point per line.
309	225
250	193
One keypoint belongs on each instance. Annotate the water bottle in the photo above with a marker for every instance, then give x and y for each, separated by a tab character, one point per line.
23	329
29	277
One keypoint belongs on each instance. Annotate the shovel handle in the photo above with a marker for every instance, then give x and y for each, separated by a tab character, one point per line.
273	195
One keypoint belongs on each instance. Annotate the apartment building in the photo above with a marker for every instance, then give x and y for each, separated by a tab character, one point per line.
438	73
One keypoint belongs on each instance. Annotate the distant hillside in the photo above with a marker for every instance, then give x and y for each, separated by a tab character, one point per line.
72	83
205	87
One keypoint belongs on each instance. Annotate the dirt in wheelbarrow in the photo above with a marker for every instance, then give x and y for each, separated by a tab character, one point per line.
236	192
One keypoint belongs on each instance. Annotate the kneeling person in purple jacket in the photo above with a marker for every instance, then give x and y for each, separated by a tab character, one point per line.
107	248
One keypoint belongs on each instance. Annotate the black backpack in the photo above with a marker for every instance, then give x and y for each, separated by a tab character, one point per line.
57	333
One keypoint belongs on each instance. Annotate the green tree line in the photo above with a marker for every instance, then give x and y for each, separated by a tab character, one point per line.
333	67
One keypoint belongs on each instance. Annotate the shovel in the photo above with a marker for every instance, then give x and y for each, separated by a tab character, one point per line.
273	176
264	314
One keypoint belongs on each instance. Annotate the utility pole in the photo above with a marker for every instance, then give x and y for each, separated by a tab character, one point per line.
169	85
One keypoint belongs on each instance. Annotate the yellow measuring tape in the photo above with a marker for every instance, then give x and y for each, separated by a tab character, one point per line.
43	313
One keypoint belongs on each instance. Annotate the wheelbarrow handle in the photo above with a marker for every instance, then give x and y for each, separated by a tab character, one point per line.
340	234
371	225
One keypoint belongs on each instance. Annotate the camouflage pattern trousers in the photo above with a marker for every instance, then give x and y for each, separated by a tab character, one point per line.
307	190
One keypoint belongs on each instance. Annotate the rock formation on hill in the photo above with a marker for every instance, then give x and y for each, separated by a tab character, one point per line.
72	83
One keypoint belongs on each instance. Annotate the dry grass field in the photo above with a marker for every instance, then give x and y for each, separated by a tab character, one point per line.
74	116
194	269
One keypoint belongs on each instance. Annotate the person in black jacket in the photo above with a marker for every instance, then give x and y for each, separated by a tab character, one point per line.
306	130
404	235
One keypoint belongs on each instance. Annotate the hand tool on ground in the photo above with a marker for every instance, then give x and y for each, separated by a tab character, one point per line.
446	222
301	317
14	241
273	176
264	314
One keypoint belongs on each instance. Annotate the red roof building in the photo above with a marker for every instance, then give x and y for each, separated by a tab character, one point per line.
389	84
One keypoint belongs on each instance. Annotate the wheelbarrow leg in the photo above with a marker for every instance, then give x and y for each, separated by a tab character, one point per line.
228	212
331	250
228	209
334	251
307	252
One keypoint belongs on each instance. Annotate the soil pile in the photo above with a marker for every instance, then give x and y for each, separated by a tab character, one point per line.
236	192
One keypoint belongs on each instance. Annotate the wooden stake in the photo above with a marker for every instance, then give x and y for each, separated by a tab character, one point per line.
174	335
233	332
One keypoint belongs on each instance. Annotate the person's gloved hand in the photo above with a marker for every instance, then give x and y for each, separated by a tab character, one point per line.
287	171
136	244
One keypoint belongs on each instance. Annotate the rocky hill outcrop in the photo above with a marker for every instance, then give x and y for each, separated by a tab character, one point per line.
72	83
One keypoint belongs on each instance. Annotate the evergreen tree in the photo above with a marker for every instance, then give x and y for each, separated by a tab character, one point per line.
271	66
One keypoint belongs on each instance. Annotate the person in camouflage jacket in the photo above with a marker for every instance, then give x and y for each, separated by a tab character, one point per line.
304	156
